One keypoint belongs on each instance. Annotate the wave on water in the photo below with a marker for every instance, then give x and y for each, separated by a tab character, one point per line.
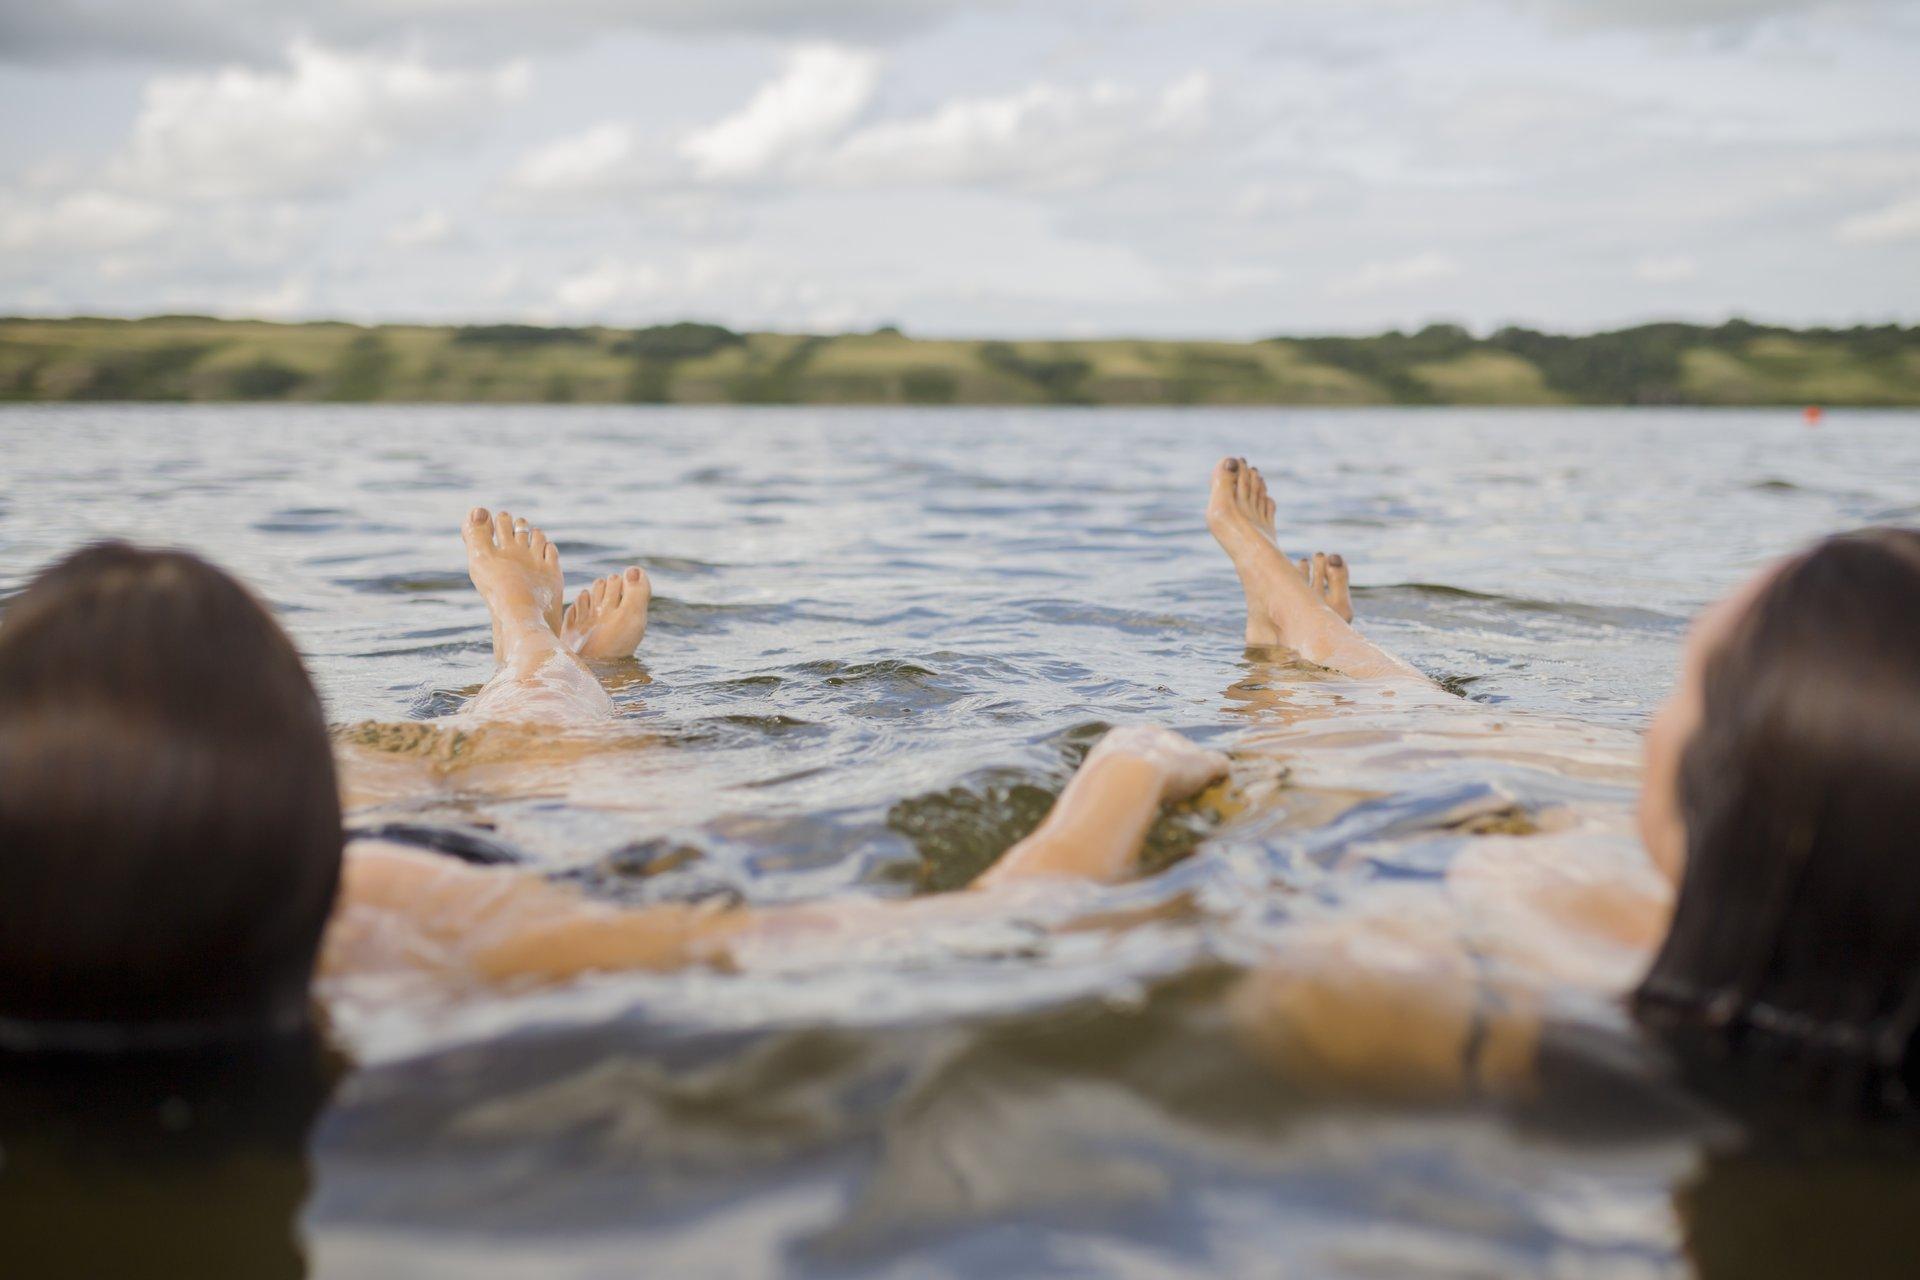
411	582
1391	600
698	617
307	520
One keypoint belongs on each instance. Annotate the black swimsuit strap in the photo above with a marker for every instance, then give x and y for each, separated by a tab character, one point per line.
463	843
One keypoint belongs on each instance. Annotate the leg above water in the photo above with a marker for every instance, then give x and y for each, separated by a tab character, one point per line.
517	572
1285	603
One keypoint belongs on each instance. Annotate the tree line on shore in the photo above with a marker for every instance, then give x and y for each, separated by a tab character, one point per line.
197	358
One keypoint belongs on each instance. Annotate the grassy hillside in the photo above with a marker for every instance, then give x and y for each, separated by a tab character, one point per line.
196	358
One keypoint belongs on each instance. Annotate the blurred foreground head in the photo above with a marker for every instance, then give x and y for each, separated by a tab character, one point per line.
1789	763
169	825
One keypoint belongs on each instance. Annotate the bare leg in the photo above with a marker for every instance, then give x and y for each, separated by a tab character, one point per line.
1326	574
553	583
1284	605
517	571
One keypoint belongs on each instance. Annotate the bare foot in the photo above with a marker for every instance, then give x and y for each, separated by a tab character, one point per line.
1240	516
1284	606
558	580
516	571
610	617
1327	574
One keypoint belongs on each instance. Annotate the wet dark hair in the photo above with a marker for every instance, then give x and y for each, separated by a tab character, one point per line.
170	834
1791	970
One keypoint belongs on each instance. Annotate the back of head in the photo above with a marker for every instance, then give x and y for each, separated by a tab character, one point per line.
169	823
1792	967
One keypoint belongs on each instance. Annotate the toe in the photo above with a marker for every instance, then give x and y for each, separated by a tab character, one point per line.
1319	577
503	530
1306	568
1339	593
551	555
615	589
637	581
478	530
599	592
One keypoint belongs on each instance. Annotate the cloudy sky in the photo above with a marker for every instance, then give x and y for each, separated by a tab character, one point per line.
1028	167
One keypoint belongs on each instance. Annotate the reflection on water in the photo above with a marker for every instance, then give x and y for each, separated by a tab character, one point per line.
881	640
1764	1213
176	1166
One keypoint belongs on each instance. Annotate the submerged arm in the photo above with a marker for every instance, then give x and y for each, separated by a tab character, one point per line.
500	926
402	907
1095	829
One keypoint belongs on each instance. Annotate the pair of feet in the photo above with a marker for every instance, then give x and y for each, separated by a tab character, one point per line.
1240	516
516	569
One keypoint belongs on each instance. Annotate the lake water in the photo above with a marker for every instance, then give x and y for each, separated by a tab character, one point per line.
879	641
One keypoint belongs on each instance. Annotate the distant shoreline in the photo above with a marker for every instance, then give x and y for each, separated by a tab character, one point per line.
200	359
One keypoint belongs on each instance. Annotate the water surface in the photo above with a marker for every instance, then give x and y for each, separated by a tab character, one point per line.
880	641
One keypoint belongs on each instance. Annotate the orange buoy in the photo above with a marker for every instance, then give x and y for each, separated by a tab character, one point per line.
1813	413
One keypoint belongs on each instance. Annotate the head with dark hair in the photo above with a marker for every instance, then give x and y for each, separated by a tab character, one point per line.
1783	784
169	823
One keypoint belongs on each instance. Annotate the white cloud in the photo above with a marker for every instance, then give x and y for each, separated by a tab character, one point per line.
85	221
286	300
1396	273
1046	135
312	126
607	284
603	158
820	92
1898	221
643	288
1666	268
426	229
741	280
798	129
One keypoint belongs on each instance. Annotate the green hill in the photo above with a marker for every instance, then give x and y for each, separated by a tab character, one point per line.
200	359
